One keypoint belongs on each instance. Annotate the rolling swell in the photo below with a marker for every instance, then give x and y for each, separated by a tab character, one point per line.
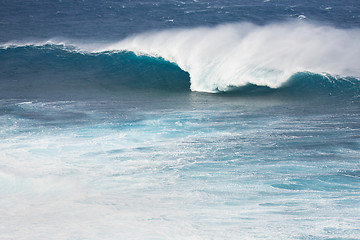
304	84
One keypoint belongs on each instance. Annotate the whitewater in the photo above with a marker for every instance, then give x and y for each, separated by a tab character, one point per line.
234	55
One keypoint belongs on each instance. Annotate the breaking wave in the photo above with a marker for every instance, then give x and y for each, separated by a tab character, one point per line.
235	55
218	59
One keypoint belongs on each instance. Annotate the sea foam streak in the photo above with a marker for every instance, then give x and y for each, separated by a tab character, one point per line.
235	55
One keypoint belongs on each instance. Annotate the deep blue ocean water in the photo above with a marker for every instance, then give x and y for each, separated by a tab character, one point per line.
179	119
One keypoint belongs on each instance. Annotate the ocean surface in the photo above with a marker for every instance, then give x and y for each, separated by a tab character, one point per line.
179	119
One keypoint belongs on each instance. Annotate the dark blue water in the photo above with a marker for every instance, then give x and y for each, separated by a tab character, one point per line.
109	20
179	119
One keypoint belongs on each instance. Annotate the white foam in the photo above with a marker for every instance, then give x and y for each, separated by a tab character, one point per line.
172	174
237	54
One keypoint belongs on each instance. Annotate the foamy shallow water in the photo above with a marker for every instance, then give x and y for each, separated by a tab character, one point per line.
215	169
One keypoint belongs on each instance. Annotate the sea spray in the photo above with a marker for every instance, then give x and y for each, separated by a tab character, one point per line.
234	55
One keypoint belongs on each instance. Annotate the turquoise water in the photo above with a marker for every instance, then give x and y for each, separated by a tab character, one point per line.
184	166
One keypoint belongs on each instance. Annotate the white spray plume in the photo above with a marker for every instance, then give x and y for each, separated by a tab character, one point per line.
234	55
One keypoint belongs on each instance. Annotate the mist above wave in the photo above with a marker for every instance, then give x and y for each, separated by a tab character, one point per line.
234	55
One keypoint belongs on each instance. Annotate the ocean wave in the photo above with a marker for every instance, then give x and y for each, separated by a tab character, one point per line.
217	59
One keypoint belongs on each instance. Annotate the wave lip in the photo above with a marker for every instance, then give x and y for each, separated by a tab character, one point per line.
234	55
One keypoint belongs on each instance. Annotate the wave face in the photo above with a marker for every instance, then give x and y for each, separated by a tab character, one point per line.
39	69
234	55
